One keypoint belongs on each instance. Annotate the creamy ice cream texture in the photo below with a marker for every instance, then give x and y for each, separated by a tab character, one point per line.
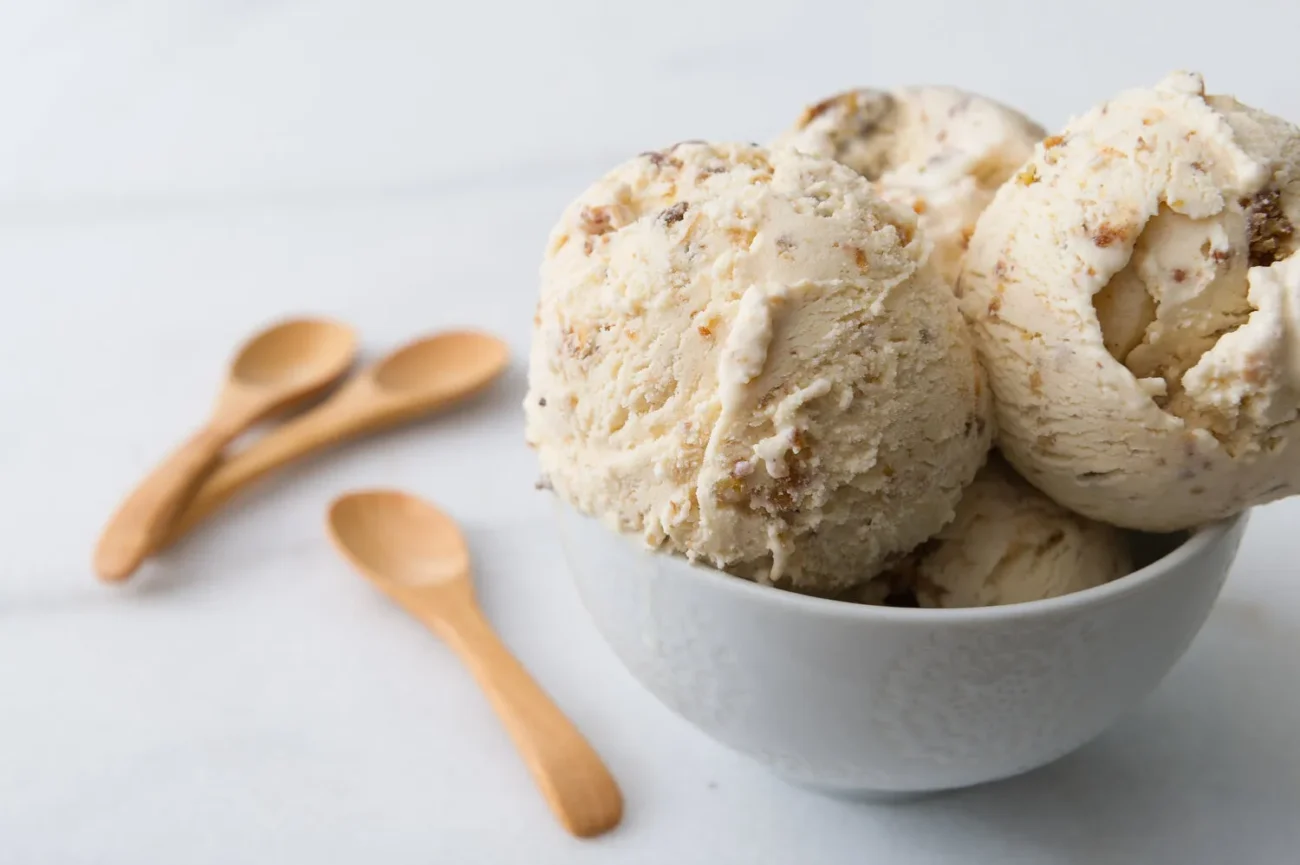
738	356
1135	295
938	151
1009	544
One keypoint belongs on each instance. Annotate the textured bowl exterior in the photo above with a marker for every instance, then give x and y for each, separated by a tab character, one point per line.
867	700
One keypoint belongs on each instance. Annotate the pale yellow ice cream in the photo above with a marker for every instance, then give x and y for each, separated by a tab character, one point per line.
1136	298
1009	544
939	151
738	357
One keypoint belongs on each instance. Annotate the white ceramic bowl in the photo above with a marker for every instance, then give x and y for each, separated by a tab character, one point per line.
856	699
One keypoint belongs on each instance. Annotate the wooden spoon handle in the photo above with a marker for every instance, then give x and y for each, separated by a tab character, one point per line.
571	775
350	414
317	429
130	534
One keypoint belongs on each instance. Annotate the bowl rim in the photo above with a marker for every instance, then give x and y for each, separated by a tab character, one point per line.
1201	539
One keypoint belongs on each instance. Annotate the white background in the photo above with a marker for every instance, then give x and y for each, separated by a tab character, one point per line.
175	174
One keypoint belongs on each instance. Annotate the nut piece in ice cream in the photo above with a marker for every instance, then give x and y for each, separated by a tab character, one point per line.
1009	544
938	151
739	357
1135	294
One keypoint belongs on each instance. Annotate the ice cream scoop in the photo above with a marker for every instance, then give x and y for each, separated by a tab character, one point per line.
1135	294
738	356
1009	544
939	151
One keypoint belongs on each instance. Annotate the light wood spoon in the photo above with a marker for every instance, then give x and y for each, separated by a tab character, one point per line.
421	377
416	555
279	367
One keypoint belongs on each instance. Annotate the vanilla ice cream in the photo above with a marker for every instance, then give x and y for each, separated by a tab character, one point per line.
939	151
1009	544
1135	295
739	357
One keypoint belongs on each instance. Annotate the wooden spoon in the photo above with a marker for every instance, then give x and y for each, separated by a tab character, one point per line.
416	555
421	377
281	366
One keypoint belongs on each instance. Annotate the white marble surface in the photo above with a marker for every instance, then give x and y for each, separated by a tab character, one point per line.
173	174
